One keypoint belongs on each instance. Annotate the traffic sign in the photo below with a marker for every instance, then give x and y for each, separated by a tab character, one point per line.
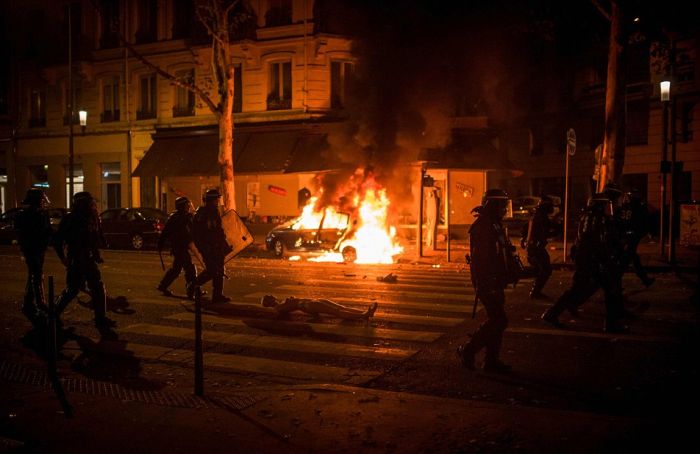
571	142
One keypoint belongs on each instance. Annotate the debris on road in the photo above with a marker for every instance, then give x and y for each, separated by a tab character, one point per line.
390	278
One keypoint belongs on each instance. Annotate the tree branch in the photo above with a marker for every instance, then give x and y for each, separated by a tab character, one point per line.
602	10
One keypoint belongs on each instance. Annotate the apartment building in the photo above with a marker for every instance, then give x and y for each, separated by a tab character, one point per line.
147	141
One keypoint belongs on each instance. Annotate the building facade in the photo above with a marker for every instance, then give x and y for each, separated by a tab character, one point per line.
289	89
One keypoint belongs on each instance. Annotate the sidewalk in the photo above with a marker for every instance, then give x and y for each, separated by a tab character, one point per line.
312	418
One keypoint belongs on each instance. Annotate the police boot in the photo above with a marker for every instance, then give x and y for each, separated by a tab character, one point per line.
218	291
551	316
99	305
168	279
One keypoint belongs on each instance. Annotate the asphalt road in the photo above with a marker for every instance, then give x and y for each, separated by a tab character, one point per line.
408	347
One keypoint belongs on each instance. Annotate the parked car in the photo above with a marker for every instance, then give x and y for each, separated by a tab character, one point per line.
8	234
311	238
134	228
523	207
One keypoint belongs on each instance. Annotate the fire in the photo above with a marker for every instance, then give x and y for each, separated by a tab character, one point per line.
370	237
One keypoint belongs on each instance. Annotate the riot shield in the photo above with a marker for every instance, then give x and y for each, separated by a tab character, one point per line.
237	234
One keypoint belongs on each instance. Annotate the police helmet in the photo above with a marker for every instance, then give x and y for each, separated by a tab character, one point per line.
82	200
494	194
35	197
211	194
182	202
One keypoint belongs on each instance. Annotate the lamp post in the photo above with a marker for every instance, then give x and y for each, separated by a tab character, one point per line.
71	107
665	87
82	114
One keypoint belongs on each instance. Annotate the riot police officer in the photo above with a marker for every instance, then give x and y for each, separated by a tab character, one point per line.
489	248
34	234
77	243
178	229
210	240
597	257
540	228
634	217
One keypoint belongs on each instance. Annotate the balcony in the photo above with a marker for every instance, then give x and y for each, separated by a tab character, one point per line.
109	116
183	111
146	114
37	122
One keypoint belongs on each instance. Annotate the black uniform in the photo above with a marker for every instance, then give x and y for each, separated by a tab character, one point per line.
597	256
489	271
634	219
77	243
540	229
34	231
210	239
178	230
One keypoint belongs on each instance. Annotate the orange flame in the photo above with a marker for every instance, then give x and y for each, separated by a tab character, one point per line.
372	237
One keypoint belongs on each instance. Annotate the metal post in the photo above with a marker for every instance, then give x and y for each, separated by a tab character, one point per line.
420	213
664	160
198	353
52	327
71	108
674	183
447	216
566	205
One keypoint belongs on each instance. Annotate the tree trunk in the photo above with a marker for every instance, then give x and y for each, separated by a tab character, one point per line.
614	141
226	142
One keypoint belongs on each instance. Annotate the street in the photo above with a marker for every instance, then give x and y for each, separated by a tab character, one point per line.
561	378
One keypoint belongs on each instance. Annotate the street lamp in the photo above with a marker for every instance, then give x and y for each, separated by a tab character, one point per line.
665	87
82	114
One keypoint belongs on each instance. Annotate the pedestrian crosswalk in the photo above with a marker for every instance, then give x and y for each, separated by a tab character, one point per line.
244	337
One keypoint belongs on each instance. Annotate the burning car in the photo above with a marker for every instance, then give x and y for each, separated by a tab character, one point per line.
312	233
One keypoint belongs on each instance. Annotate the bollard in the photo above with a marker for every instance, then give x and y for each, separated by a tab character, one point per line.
198	353
52	327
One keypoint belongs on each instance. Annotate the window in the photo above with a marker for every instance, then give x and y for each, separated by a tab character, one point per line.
637	122
184	98
279	12
37	109
686	132
279	96
110	100
238	89
183	12
341	79
78	181
39	176
109	24
148	100
111	185
147	17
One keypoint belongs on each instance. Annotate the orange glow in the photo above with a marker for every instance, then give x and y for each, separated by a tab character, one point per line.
371	235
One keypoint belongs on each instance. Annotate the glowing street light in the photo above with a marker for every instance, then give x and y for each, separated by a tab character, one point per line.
82	114
665	90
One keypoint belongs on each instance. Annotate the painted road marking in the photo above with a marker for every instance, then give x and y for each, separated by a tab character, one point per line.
592	335
314	328
349	289
273	342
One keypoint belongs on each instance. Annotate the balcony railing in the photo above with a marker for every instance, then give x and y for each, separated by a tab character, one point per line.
279	103
183	111
145	114
109	116
37	122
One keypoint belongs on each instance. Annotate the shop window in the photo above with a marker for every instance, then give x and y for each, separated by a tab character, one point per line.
39	176
111	185
78	182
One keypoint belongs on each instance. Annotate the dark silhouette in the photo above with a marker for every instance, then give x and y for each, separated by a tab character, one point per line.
634	218
210	240
597	255
489	250
178	230
317	306
34	234
539	229
77	244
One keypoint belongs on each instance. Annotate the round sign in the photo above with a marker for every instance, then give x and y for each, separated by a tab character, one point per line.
571	141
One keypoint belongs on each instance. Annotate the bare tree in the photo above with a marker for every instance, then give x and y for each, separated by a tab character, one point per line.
221	19
613	156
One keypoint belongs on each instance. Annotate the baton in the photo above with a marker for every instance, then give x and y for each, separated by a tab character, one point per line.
160	254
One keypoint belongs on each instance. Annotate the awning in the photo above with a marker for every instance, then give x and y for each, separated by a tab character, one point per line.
194	152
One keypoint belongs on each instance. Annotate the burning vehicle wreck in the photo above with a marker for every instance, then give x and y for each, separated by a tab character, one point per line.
312	235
